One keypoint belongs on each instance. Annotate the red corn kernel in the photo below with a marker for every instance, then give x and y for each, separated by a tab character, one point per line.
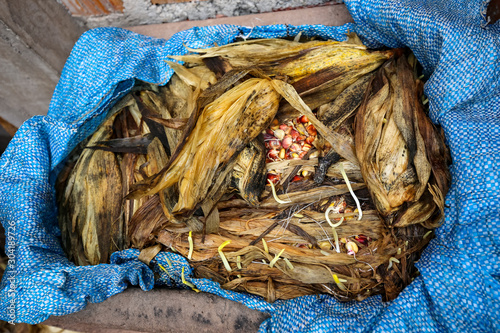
310	139
294	134
362	239
303	119
295	147
274	144
312	130
273	154
274	178
287	141
285	128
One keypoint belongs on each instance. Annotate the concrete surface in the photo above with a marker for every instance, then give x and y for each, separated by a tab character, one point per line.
180	311
28	76
333	15
140	12
36	37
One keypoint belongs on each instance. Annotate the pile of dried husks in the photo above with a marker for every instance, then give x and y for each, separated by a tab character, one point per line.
281	168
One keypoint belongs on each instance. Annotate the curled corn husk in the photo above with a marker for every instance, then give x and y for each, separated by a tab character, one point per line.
395	145
223	129
93	194
249	172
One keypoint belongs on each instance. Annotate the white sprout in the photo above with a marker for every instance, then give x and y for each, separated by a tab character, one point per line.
278	200
391	260
348	183
191	246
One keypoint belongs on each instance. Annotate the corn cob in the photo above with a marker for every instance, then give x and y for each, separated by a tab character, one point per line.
237	116
276	57
218	151
93	195
393	152
249	173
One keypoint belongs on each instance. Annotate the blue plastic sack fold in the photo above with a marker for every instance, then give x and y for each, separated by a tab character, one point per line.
459	285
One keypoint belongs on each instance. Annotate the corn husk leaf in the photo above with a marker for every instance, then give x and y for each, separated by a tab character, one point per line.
238	116
392	150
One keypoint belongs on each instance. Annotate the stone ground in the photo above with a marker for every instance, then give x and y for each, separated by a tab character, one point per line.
141	12
31	59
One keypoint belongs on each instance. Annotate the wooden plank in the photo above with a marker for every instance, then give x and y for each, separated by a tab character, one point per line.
44	26
334	15
36	38
8	127
163	2
162	310
93	7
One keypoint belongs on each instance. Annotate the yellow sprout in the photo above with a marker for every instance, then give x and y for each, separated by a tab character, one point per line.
191	246
223	257
338	282
187	283
276	257
163	268
391	260
264	243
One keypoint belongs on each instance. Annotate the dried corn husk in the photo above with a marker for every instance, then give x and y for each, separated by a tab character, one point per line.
93	194
194	142
393	152
223	129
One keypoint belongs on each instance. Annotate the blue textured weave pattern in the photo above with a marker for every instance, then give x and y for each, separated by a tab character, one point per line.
458	289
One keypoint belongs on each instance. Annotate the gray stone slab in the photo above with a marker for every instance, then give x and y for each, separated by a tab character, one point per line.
36	37
140	12
134	310
44	26
162	310
332	15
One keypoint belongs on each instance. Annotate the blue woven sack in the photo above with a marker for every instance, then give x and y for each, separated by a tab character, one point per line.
459	285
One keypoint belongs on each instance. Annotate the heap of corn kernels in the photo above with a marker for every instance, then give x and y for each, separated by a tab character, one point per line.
293	139
289	140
